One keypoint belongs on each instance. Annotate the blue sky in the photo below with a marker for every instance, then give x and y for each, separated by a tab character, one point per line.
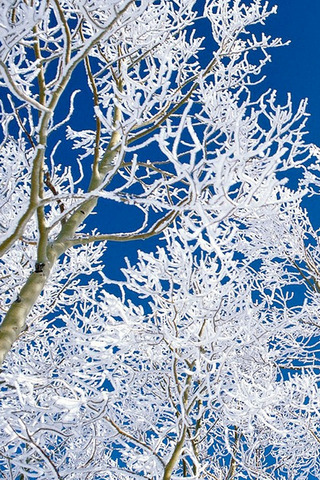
296	68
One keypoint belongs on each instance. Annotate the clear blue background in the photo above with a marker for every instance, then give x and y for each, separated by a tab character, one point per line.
296	68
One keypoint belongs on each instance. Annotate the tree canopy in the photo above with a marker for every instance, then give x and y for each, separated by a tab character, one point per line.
143	122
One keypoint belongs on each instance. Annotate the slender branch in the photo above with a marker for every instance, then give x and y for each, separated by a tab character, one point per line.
304	276
158	228
34	194
19	229
42	453
175	456
43	232
315	436
41	79
33	145
233	462
13	87
67	50
133	439
52	188
43	236
166	113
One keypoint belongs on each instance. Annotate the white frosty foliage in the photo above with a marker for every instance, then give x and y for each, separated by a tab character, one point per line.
203	361
17	18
